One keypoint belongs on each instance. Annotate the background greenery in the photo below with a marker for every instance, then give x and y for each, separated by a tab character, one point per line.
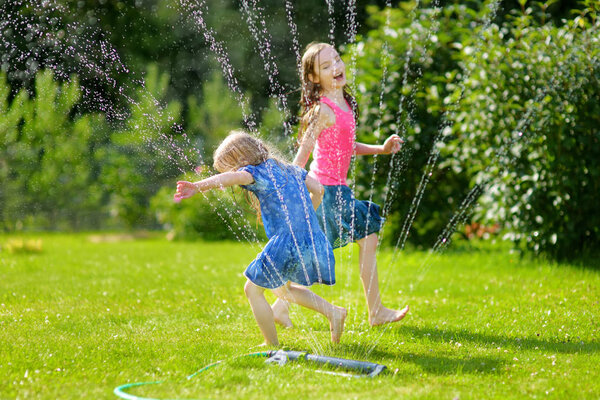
104	105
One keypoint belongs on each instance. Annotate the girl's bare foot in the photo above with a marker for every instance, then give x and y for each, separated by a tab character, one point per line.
385	315
281	313
336	324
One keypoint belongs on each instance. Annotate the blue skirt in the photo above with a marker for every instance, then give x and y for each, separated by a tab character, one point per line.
345	219
304	258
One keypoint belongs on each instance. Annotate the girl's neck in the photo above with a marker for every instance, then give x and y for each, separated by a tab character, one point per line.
336	95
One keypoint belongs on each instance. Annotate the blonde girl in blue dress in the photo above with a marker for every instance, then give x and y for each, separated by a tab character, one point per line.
298	251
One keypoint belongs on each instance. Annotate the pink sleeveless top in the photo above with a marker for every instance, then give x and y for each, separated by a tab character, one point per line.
334	147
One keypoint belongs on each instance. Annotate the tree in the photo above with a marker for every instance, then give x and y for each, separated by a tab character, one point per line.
46	159
527	131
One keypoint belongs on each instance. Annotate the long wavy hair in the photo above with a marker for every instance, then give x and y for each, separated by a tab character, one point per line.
239	149
311	92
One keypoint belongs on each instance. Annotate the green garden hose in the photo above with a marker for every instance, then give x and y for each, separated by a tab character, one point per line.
365	368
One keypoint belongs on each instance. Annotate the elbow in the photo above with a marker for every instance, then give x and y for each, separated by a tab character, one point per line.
300	161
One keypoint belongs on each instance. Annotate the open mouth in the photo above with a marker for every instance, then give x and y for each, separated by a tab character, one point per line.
339	76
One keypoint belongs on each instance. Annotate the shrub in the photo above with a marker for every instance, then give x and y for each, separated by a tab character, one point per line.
508	109
526	129
211	216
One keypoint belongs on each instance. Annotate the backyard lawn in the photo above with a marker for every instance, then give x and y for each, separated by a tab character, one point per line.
82	314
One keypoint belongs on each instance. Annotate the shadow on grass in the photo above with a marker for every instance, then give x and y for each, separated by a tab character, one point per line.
440	365
572	345
433	363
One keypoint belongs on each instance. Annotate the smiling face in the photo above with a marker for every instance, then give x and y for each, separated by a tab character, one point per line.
329	70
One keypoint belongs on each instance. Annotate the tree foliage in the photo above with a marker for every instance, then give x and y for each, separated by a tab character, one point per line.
506	109
501	102
527	129
47	163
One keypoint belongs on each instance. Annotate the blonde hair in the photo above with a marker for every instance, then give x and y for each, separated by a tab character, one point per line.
240	149
311	92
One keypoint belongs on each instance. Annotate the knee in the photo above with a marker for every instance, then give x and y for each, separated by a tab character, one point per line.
250	289
283	292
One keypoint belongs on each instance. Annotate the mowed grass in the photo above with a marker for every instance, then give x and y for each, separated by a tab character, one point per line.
84	316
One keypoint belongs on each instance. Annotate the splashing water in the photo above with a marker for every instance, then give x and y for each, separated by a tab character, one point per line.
97	60
195	11
289	13
331	13
257	26
81	50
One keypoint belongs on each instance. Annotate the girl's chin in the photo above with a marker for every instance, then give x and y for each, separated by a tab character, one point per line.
339	82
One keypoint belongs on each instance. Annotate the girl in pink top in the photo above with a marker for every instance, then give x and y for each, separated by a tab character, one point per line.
328	131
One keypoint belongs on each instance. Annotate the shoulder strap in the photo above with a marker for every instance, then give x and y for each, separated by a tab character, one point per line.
329	102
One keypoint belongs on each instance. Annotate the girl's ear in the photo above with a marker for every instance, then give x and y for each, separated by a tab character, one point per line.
311	78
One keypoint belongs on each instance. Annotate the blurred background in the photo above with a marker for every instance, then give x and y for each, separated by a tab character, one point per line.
105	104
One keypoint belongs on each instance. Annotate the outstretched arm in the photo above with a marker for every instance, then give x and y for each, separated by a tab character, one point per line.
187	189
316	190
391	145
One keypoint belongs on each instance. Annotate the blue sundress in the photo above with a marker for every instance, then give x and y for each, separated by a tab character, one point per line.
297	250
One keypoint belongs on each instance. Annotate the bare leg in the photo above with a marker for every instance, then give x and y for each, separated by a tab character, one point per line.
378	314
262	312
281	313
306	298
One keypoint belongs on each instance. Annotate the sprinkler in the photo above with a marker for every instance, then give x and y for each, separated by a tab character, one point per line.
280	357
363	367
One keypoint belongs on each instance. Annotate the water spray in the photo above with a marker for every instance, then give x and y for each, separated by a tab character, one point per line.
361	369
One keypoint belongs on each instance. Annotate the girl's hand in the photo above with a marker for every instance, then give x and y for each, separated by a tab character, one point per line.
392	144
185	190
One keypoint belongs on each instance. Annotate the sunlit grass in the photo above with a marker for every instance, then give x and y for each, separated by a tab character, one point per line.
82	316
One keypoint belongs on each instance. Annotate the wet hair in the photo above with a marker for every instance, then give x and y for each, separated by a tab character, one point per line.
311	92
240	149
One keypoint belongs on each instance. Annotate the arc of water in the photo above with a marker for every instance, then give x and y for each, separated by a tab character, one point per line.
352	27
89	65
289	13
384	62
263	42
351	31
434	153
195	11
331	14
400	124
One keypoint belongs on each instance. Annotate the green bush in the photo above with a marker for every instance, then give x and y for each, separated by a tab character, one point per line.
47	164
211	216
509	109
527	129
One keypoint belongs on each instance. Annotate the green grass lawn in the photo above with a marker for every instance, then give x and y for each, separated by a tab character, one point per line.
82	317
